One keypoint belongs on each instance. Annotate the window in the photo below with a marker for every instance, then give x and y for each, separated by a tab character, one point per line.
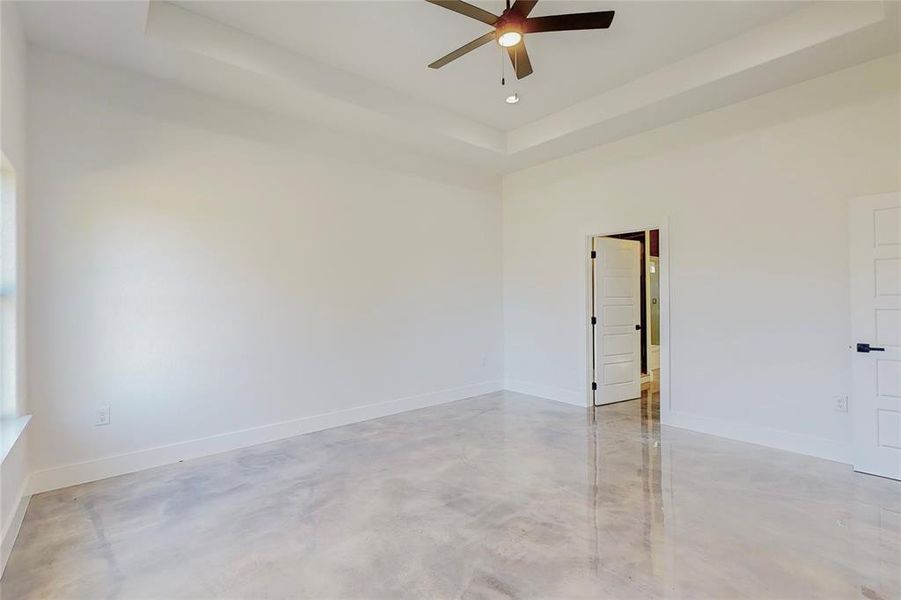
8	312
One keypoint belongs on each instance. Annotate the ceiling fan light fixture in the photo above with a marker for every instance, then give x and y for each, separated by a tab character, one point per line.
508	36
510	27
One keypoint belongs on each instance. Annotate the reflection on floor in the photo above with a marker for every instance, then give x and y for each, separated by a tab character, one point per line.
499	496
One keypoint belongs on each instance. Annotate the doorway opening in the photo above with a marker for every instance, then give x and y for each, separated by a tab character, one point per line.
625	320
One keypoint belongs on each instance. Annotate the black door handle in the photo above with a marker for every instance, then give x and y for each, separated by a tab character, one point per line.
869	348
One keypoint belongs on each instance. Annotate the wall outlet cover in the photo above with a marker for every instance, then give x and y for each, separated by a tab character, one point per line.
841	404
102	416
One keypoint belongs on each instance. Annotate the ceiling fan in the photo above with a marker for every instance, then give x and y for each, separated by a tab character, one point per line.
513	24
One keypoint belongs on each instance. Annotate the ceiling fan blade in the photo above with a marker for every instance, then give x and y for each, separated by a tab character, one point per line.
593	20
468	10
520	59
479	41
524	7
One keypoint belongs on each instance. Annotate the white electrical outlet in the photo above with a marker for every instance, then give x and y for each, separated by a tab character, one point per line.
102	416
841	404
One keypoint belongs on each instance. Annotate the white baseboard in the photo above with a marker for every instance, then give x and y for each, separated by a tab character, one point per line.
549	392
742	432
762	436
111	466
11	531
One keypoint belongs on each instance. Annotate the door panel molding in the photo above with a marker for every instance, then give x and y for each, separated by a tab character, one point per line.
874	226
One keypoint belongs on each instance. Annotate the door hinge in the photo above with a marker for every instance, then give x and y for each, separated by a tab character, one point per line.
594	320
594	254
594	385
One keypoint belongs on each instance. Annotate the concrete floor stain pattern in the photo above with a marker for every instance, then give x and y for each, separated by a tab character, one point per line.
499	496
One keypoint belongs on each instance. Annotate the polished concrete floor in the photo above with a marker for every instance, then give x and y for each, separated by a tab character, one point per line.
493	497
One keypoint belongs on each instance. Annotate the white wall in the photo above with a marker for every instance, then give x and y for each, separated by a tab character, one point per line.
755	196
14	465
204	272
221	277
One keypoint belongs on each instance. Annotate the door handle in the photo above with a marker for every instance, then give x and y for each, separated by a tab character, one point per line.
869	348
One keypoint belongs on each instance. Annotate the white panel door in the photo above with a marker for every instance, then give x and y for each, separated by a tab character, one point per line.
875	232
617	312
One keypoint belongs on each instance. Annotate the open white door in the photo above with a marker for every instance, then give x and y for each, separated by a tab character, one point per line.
617	314
875	235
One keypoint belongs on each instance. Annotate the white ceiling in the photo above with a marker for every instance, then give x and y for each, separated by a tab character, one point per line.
393	41
360	66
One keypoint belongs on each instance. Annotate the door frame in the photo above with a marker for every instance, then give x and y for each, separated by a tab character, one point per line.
662	226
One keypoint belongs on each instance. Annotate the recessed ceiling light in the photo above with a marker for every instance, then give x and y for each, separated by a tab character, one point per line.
512	99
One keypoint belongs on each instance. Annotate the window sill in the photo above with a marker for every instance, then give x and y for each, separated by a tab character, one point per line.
10	432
